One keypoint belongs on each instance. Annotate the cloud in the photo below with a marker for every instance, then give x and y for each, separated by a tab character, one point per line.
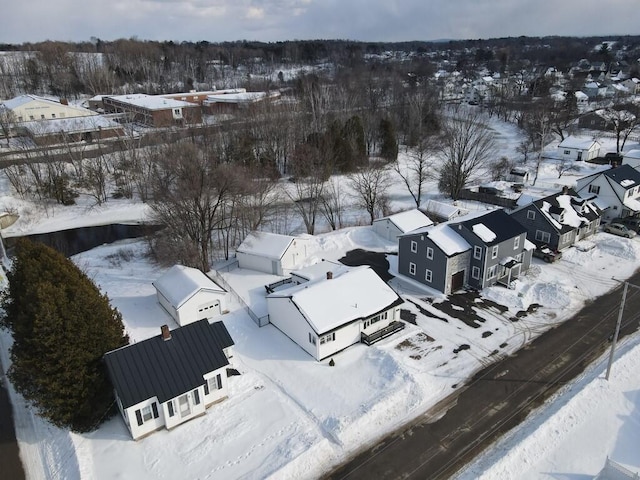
270	20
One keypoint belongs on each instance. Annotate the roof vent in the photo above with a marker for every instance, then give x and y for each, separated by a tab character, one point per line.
165	332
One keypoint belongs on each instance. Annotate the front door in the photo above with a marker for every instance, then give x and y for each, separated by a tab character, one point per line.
184	406
579	156
457	281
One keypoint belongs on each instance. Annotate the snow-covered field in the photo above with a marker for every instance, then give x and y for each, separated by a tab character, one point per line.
288	416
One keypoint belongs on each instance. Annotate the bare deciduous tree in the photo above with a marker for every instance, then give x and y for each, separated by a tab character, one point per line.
623	123
418	168
333	203
370	185
467	146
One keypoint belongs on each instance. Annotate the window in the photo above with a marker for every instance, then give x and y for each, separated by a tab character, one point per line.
567	152
42	117
176	111
412	268
475	273
544	237
594	189
414	246
492	271
428	275
196	397
31	117
53	115
214	383
328	338
531	215
147	413
516	243
519	257
312	338
170	408
477	252
494	251
430	253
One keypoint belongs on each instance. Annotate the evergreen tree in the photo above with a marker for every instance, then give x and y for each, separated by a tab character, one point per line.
388	140
62	326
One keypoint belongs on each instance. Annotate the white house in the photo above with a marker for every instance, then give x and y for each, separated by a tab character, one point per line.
575	148
632	158
326	315
393	226
171	378
188	295
31	107
617	191
271	253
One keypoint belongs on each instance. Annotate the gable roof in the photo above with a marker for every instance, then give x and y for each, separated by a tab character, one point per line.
168	368
496	222
447	239
408	220
21	100
578	143
575	211
625	175
150	102
266	244
180	283
328	304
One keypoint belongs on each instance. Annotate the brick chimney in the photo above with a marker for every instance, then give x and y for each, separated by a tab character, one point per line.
329	275
165	332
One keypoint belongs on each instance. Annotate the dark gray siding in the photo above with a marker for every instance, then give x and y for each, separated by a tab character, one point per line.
437	265
540	222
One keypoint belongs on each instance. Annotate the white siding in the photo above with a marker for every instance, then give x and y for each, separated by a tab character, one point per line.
189	311
284	315
194	410
148	426
258	263
386	229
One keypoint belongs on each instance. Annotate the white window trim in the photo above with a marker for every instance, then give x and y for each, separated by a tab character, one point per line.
475	273
494	251
477	252
430	253
412	268
516	243
414	246
428	275
531	215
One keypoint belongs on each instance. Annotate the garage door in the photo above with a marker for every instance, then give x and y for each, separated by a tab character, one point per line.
209	310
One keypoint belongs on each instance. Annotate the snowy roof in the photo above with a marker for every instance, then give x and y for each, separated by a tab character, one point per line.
180	283
328	304
409	220
150	102
447	239
625	175
578	143
444	210
581	95
483	232
69	125
320	269
24	99
500	226
241	97
632	204
266	244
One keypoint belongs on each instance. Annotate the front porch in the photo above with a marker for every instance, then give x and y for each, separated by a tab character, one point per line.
509	270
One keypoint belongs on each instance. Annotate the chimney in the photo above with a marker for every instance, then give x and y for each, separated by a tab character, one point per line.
329	275
64	101
165	332
565	189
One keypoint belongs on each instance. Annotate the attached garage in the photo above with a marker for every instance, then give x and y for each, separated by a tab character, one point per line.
189	295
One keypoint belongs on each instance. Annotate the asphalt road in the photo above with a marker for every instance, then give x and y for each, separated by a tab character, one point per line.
495	400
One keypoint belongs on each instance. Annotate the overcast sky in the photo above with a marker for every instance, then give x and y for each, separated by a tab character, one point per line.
272	20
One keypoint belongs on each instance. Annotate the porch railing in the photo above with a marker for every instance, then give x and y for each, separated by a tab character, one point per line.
392	328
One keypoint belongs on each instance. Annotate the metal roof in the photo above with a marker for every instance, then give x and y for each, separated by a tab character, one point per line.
502	225
168	368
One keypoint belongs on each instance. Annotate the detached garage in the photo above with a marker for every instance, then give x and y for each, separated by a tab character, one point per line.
271	253
391	227
189	295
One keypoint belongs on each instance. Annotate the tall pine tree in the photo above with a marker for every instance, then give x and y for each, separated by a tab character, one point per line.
62	326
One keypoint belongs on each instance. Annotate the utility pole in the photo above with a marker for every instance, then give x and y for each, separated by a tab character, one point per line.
617	332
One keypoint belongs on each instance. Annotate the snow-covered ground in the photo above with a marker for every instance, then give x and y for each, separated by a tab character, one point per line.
288	416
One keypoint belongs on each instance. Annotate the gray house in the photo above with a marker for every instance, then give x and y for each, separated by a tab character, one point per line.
479	252
559	220
436	256
501	251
